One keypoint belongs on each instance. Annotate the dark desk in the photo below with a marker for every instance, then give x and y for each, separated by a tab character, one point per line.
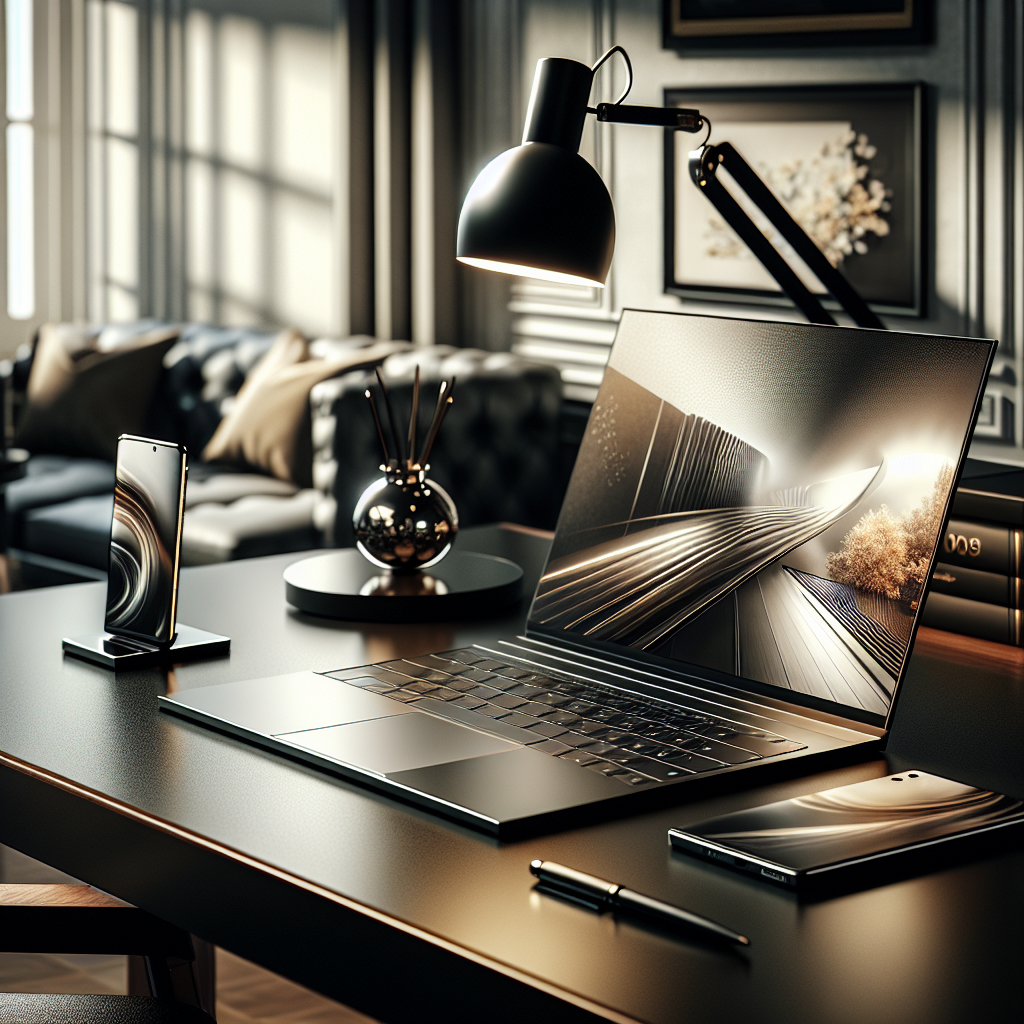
407	917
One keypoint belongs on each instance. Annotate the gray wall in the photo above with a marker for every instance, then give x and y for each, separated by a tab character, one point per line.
973	175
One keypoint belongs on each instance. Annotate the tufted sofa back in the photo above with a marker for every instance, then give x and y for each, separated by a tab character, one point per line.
497	453
202	372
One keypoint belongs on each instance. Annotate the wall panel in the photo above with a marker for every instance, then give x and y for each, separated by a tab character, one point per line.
973	177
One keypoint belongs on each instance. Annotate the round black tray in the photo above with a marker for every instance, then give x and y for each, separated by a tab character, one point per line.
344	585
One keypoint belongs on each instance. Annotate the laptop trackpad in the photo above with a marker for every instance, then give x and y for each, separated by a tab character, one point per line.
399	743
285	704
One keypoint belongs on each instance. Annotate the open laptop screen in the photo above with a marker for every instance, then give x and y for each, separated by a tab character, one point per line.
764	500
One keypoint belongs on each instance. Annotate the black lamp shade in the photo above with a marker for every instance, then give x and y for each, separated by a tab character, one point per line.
539	210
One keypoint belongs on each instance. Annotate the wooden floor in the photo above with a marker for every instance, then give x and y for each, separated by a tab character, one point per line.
246	994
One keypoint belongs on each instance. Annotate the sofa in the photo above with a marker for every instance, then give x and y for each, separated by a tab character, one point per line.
280	437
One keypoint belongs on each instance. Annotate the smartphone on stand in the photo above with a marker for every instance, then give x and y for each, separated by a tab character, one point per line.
145	539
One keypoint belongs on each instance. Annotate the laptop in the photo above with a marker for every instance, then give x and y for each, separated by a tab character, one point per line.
735	582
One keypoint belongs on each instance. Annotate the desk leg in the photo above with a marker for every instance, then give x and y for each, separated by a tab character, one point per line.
204	973
138	982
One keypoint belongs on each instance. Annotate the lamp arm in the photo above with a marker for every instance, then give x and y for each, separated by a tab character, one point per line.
659	117
768	255
703	169
746	177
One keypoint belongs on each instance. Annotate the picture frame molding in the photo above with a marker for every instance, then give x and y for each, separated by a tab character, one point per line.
846	30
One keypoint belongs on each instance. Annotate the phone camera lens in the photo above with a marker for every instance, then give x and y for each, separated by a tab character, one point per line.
911	776
897	779
154	447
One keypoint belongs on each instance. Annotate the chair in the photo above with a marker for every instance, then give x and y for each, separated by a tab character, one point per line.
80	919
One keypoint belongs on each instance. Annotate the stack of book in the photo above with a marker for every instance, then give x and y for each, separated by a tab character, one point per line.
976	586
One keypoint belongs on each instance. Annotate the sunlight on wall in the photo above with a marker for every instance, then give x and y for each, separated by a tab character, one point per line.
20	139
241	213
199	254
199	133
241	113
198	32
122	228
301	145
256	148
302	262
113	155
260	138
121	68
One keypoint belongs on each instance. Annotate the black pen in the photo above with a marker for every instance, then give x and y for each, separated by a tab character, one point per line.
610	896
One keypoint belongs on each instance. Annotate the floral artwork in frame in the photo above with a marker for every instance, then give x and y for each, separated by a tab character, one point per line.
845	161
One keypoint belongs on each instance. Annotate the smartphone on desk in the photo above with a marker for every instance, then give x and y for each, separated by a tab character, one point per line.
145	539
810	838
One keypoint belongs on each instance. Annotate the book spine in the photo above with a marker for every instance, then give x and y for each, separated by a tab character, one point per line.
982	546
975	585
973	618
995	508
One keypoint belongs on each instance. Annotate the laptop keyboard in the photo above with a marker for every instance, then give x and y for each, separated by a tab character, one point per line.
634	741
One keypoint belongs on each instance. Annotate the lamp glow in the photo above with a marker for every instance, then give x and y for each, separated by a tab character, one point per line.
534	272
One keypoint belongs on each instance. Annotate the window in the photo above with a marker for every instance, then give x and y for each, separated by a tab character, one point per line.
259	168
112	90
20	138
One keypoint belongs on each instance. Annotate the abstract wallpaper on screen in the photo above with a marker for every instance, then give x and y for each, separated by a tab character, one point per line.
763	499
143	538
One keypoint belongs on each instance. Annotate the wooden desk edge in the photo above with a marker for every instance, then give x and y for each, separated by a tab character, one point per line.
969	651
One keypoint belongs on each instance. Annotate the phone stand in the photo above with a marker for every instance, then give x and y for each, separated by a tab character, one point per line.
121	652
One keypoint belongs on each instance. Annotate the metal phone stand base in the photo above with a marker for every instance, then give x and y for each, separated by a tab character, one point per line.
121	652
344	585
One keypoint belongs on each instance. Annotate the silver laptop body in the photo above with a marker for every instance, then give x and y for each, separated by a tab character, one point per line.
735	582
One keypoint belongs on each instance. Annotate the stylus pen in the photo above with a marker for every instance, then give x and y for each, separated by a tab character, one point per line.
610	896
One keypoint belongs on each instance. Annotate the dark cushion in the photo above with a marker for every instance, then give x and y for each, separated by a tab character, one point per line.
25	1008
76	531
53	479
85	389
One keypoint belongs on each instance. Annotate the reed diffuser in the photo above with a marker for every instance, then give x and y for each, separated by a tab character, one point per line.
403	521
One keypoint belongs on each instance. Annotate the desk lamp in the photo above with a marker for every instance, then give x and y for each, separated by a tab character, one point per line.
541	211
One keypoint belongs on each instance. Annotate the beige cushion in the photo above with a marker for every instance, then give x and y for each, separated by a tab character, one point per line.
268	427
87	387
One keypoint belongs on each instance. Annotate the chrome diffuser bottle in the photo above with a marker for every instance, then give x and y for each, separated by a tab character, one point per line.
405	521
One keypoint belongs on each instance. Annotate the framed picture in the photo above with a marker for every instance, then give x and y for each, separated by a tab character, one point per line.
729	24
845	161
